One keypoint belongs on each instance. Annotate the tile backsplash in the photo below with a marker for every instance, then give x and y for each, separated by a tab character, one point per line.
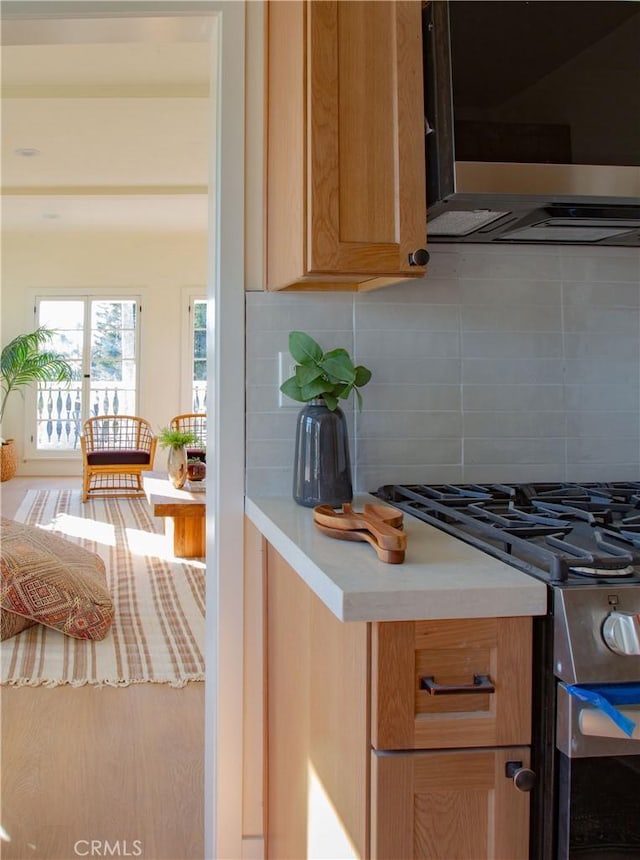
503	364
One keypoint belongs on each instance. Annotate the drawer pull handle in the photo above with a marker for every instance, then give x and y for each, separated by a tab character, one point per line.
481	684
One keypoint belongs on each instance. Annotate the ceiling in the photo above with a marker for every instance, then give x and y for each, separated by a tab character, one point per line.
106	124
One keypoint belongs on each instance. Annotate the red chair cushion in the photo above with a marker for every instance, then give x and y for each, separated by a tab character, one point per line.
110	457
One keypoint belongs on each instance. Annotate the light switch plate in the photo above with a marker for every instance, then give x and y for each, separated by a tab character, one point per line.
286	368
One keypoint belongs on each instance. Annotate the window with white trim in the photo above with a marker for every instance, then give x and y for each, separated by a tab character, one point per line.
198	353
99	338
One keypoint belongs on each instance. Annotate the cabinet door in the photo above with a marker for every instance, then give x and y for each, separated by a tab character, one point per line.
454	805
317	729
406	714
345	153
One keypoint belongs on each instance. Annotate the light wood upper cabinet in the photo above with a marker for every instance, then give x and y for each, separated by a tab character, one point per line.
345	144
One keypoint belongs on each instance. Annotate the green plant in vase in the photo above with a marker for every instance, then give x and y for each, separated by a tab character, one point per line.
331	376
176	441
322	467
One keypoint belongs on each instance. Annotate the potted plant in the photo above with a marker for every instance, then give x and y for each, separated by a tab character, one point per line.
176	441
24	361
322	466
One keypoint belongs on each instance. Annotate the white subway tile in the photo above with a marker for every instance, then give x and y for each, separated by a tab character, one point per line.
393	317
523	360
610	425
507	345
616	321
371	477
428	290
603	450
413	344
510	425
514	473
502	451
506	318
418	452
512	398
408	425
608	472
516	370
419	398
515	292
601	265
601	294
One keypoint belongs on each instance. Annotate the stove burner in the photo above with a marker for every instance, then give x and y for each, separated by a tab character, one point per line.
558	532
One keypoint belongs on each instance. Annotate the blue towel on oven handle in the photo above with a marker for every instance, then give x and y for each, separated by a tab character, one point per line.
606	697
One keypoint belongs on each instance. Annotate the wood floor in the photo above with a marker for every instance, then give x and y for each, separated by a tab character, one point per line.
120	766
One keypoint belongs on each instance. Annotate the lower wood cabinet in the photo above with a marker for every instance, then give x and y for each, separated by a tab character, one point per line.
334	693
450	805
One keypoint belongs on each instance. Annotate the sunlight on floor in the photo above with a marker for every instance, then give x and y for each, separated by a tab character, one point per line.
326	835
80	527
147	543
156	545
4	836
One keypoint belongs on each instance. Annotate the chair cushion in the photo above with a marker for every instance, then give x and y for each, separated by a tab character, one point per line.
54	582
124	457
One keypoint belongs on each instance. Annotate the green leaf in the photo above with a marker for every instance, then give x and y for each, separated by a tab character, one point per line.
344	390
338	366
363	375
316	388
359	399
291	388
307	373
331	401
304	348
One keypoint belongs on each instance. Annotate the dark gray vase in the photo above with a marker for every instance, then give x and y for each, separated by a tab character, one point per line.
322	467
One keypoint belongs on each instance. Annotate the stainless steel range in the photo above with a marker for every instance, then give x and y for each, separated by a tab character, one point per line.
584	541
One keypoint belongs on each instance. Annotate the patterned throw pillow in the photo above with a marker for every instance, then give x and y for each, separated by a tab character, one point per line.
54	582
12	624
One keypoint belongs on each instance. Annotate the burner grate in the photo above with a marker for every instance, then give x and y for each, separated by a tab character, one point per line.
557	532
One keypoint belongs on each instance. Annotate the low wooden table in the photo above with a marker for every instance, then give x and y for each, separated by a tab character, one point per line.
184	513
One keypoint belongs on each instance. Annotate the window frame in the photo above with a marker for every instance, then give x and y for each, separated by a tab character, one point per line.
189	296
32	452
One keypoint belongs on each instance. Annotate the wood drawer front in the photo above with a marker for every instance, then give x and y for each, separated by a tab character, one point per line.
452	652
442	805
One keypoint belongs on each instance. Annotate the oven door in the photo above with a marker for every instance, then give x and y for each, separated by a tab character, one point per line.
598	784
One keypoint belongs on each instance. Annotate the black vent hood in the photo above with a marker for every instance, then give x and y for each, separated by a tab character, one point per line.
531	118
534	220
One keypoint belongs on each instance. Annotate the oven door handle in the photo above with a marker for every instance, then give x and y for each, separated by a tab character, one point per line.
481	684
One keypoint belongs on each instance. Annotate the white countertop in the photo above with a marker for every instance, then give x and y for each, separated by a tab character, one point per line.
441	577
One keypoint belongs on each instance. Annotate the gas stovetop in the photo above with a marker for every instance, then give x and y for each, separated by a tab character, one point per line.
568	533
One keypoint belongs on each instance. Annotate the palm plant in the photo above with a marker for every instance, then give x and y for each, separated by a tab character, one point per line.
24	361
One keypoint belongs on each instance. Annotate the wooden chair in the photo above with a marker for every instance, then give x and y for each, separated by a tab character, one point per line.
116	449
196	423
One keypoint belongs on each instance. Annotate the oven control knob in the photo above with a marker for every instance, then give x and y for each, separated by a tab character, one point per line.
621	633
523	778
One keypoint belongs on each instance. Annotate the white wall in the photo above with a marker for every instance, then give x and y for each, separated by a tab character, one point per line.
157	266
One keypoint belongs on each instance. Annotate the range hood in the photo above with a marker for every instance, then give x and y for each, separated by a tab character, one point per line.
535	219
532	139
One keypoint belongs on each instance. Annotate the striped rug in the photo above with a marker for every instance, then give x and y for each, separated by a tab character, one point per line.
158	630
